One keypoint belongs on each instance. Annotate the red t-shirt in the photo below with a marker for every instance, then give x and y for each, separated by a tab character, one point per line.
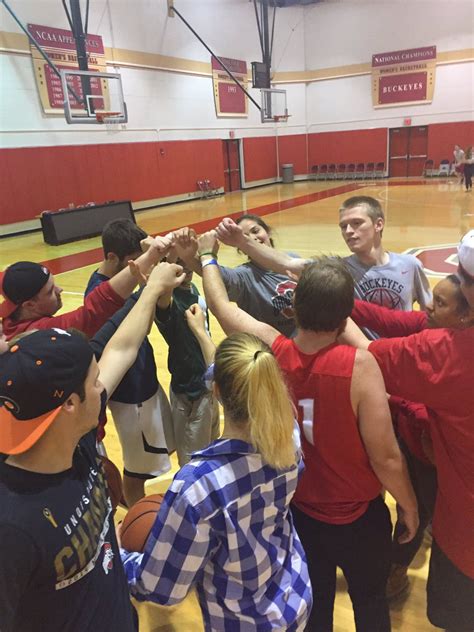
99	306
436	367
388	323
338	482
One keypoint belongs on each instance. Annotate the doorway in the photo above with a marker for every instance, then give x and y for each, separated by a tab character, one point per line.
231	155
408	151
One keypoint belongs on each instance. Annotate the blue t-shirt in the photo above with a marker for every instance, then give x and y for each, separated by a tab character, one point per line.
140	382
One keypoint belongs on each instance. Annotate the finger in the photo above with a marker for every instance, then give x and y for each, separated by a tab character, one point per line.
292	275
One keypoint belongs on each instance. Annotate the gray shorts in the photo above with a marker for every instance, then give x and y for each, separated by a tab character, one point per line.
195	423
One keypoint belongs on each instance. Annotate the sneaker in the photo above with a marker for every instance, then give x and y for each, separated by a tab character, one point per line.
397	582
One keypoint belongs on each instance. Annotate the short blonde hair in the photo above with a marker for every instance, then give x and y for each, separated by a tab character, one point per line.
253	391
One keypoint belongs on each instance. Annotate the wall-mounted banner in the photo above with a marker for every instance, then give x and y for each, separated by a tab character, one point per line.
60	47
230	101
403	77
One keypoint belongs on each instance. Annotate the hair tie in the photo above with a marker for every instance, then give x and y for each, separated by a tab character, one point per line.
255	355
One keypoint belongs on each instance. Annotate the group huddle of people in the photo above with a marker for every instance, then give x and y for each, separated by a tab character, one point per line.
333	391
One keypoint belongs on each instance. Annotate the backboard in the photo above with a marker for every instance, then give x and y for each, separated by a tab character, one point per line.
274	107
93	97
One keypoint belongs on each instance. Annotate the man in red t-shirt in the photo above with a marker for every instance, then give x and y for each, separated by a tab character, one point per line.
436	368
347	439
30	298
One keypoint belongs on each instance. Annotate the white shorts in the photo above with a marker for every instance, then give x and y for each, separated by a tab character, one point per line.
146	435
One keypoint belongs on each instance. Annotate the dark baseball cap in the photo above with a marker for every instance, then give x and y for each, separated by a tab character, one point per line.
37	375
20	282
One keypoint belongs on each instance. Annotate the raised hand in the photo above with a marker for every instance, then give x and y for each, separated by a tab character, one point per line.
207	242
230	233
166	276
185	243
196	319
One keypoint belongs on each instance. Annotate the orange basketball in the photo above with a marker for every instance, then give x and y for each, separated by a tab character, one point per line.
138	522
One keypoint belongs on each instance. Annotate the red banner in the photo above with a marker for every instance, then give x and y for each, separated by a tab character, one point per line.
60	47
229	99
402	88
49	37
403	76
404	56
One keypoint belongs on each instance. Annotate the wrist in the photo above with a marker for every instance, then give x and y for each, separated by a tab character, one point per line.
207	254
208	261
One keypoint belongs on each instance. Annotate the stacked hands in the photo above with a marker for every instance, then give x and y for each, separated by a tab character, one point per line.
185	246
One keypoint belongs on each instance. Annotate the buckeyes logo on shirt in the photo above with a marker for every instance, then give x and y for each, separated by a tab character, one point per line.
385	292
283	300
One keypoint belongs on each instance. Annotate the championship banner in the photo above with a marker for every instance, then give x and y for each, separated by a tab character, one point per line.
60	46
403	77
228	98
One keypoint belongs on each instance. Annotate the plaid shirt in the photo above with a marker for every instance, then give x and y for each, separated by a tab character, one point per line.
225	526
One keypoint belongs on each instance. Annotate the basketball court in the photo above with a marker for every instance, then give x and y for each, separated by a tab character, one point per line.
90	102
423	217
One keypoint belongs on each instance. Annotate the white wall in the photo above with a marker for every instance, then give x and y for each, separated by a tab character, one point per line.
161	105
165	105
348	32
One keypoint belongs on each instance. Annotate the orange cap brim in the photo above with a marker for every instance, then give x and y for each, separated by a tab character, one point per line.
18	436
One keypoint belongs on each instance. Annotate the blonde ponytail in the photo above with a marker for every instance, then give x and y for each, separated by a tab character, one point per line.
253	390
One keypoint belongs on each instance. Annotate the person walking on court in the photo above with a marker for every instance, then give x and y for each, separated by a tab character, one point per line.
458	154
348	443
225	525
468	168
60	564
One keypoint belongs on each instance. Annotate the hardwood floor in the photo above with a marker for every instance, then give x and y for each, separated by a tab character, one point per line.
304	216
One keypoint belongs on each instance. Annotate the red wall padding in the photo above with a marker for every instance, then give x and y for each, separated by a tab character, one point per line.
35	179
293	150
443	136
260	158
368	145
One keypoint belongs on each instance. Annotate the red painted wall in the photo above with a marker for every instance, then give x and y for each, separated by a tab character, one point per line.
35	179
443	136
260	158
293	149
368	145
40	178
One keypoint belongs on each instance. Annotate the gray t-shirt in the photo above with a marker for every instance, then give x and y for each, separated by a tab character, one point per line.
265	295
396	284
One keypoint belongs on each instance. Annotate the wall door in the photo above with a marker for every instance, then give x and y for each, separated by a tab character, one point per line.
232	180
408	151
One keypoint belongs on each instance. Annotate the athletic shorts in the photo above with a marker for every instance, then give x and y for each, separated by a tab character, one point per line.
450	594
195	422
146	435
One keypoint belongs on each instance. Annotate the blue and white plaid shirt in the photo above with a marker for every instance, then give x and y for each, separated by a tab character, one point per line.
225	526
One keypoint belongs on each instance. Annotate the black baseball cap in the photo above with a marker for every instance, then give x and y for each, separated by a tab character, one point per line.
20	282
37	375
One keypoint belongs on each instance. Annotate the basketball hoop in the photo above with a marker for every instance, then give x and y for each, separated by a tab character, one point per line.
108	117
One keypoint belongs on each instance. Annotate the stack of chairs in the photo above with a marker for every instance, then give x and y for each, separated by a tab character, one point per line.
207	189
350	171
